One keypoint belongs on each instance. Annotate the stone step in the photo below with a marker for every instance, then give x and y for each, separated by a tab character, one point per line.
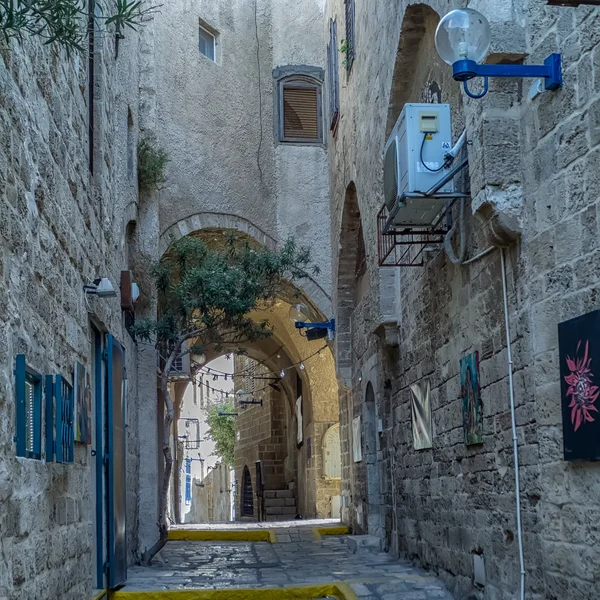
280	502
363	543
280	510
279	494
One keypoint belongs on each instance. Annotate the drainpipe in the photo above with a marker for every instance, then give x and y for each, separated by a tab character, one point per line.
514	424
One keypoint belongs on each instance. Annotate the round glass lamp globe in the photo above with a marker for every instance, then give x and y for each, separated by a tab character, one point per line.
463	34
299	313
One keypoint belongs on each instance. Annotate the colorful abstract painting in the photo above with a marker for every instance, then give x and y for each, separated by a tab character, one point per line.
472	407
579	355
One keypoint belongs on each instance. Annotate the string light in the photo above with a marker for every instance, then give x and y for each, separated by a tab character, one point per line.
282	374
302	366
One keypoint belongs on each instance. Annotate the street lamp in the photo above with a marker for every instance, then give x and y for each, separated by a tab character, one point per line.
463	38
300	315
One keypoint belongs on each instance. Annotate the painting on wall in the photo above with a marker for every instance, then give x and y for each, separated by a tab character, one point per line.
472	407
83	405
579	355
421	415
356	440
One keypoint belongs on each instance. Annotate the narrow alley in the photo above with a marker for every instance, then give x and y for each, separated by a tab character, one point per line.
299	299
304	561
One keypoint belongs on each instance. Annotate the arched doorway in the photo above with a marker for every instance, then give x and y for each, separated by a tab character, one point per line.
247	495
370	457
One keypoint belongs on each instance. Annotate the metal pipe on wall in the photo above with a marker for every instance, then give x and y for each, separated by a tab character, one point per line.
514	423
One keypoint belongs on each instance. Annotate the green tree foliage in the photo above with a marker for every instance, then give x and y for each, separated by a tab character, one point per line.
67	22
205	296
222	431
152	161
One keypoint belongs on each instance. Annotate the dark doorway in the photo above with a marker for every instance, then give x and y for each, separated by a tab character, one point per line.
247	495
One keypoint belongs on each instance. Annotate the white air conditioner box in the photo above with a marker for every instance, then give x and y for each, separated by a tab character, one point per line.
414	163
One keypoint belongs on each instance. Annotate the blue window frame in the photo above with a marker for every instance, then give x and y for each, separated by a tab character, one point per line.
29	410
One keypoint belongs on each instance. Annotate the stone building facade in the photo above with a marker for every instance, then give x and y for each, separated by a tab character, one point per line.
533	180
68	189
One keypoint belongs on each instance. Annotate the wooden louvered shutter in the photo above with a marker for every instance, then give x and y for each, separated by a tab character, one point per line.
301	113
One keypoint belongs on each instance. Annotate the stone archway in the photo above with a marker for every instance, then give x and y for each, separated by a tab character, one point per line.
223	221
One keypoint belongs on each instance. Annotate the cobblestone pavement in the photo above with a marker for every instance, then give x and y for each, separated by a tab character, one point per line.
297	558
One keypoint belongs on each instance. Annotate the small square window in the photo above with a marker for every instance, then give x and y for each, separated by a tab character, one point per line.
207	43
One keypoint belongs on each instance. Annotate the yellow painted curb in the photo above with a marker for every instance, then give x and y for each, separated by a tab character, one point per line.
272	536
99	595
343	530
222	535
341	591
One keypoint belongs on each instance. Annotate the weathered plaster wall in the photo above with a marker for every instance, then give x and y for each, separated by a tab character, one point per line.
216	120
533	166
211	497
60	228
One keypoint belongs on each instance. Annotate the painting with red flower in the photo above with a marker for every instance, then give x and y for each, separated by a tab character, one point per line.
579	349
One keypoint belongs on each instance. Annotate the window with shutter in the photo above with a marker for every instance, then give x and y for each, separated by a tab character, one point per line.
350	52
299	108
28	385
334	84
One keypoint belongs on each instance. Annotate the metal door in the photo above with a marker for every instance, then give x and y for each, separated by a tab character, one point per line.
116	456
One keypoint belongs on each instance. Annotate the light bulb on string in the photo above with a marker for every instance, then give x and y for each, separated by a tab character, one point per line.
282	374
215	377
302	366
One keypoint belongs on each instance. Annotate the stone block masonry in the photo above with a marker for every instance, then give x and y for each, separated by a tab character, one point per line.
533	166
61	226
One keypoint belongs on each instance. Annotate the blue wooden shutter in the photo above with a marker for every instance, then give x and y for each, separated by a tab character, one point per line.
350	33
21	425
49	406
28	385
65	439
188	481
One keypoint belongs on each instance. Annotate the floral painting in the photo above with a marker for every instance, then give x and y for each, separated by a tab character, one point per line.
472	407
579	353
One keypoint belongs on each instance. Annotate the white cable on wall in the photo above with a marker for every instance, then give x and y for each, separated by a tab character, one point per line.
514	423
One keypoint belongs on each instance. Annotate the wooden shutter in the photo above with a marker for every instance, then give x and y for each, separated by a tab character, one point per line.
349	12
301	113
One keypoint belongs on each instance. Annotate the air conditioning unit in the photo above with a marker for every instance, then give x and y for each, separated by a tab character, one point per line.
414	162
181	367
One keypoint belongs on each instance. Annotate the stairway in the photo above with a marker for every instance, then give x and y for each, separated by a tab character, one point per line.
280	505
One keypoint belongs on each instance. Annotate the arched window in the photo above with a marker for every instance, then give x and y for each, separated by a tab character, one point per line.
300	110
247	494
332	455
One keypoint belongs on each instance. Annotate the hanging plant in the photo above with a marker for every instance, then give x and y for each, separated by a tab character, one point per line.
152	161
345	50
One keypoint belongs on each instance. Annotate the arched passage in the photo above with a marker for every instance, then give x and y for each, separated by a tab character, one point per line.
307	366
352	273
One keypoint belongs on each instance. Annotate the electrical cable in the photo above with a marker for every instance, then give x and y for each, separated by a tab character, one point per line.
423	162
260	115
457	260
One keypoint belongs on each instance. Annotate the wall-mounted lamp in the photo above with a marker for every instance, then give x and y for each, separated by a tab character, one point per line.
300	315
463	39
101	287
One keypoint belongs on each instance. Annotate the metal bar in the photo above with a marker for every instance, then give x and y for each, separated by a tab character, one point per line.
447	177
49	393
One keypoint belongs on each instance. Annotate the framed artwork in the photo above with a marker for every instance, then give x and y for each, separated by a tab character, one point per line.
472	406
356	440
421	415
83	404
579	355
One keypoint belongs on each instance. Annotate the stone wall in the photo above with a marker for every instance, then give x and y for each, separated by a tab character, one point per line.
61	226
533	180
211	497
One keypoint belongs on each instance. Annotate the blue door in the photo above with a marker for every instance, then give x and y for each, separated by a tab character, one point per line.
116	457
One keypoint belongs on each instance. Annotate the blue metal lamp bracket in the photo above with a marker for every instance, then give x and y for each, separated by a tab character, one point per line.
550	72
329	325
